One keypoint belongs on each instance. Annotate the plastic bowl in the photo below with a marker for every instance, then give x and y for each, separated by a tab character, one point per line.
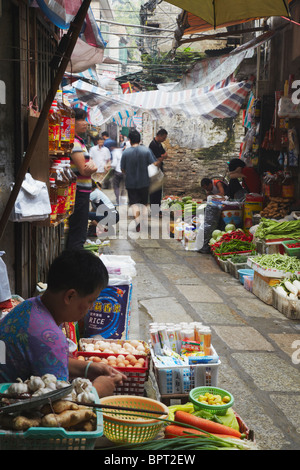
245	272
214	409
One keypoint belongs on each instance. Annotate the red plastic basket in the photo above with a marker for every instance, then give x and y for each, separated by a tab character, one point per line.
136	376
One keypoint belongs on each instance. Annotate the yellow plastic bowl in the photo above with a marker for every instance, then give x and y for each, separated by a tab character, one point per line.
132	426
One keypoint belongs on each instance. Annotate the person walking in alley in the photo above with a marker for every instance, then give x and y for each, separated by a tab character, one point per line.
160	154
83	167
134	164
100	155
118	177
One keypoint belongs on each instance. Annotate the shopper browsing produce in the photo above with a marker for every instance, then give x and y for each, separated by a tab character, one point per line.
35	344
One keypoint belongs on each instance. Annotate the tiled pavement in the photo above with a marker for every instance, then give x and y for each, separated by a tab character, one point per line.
259	364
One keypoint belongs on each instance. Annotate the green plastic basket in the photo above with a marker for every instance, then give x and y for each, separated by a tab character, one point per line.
291	251
214	409
42	438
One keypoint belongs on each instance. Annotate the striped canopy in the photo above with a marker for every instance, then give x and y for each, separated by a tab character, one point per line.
220	102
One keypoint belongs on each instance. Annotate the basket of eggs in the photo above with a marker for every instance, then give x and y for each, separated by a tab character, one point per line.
130	357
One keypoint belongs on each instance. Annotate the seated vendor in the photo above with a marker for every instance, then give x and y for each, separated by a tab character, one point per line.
251	182
34	341
215	187
103	211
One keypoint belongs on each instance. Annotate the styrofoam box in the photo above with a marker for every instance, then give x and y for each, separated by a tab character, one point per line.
181	379
269	272
289	308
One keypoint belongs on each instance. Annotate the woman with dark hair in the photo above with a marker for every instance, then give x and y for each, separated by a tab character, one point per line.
251	182
34	341
83	167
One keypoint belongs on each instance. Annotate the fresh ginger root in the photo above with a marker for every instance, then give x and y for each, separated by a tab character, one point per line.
67	418
19	423
59	406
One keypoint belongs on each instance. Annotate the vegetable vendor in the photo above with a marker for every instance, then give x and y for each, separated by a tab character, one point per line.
250	179
215	187
35	344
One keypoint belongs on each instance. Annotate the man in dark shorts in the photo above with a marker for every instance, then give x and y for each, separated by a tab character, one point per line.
134	163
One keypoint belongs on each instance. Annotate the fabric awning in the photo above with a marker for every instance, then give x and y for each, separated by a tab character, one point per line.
221	102
62	12
210	14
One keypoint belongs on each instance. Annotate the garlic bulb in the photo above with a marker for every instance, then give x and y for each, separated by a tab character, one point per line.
35	383
85	397
82	385
19	387
61	384
42	391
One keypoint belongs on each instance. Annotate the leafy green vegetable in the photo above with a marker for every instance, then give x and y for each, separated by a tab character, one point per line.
271	229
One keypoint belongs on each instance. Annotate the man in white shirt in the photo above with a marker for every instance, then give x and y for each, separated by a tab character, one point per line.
101	156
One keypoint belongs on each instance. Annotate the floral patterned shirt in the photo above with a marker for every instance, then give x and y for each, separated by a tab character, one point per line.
32	343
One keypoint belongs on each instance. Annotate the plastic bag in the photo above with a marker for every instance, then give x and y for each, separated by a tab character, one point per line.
5	292
211	222
156	178
33	202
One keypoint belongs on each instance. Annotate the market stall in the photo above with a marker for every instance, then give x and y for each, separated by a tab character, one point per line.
180	362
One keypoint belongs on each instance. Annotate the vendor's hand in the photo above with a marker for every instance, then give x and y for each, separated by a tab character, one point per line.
97	369
105	385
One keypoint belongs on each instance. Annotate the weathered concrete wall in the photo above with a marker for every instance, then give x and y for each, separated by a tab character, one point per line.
197	149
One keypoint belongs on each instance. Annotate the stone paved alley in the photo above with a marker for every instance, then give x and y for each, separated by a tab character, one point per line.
254	340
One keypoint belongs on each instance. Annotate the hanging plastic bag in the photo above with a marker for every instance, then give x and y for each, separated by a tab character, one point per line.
32	203
5	292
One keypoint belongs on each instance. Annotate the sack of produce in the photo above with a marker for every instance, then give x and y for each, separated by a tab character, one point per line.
109	316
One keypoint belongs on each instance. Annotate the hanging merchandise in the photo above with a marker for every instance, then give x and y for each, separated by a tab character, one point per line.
54	128
72	185
53	200
293	148
32	203
56	172
65	122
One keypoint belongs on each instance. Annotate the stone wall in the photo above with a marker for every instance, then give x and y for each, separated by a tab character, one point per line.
197	149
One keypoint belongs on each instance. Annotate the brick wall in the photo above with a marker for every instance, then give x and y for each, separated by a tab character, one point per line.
187	166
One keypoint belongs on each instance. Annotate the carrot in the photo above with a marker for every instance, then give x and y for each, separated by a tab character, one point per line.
205	424
173	430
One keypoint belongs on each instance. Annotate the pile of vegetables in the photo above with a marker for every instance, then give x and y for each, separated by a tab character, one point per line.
289	288
71	413
233	246
271	229
280	262
186	204
241	259
278	207
231	240
187	429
